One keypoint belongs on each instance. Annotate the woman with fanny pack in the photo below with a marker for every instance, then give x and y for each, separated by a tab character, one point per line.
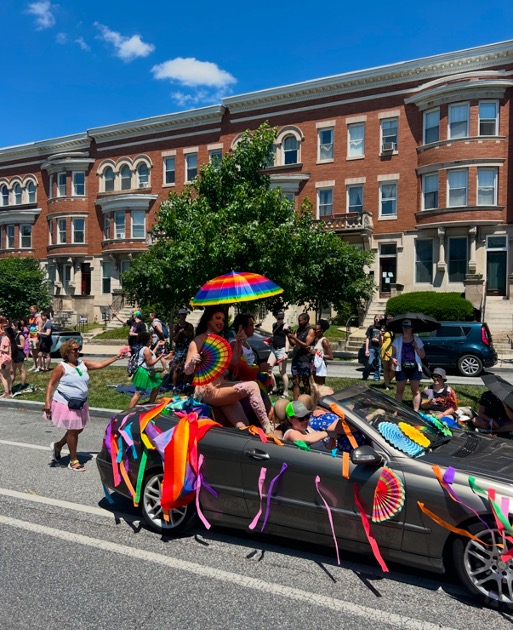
66	399
407	354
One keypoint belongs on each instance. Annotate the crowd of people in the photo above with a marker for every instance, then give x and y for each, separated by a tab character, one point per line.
24	341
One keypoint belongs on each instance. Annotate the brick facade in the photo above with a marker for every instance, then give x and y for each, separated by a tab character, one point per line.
96	193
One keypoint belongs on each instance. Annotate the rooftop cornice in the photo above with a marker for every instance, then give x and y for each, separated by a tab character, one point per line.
158	124
43	148
461	89
417	70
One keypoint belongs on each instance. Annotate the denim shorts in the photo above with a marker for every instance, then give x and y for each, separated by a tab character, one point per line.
410	375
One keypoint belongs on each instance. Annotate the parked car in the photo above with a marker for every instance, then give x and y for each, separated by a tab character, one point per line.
60	335
260	344
233	462
463	346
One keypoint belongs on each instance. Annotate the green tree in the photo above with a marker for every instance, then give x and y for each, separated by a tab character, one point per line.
230	219
22	284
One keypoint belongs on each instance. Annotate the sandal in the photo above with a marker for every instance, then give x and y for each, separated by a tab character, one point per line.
56	451
76	465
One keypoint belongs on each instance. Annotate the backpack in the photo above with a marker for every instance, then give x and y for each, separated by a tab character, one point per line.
165	330
133	362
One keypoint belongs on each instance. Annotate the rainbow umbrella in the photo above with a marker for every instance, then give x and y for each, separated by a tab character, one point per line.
236	286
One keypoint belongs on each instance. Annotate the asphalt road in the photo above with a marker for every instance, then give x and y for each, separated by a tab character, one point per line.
70	561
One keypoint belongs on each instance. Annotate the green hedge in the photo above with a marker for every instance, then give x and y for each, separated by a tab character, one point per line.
442	306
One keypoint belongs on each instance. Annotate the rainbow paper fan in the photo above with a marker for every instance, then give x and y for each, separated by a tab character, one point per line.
216	354
393	434
414	434
442	427
389	496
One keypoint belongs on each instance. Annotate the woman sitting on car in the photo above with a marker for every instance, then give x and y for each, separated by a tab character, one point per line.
439	399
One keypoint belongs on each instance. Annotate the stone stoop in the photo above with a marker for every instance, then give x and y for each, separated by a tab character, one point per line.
376	307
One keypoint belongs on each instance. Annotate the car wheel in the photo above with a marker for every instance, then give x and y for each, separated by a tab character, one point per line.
470	365
180	519
479	566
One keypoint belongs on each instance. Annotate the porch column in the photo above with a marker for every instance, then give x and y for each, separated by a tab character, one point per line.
472	264
441	264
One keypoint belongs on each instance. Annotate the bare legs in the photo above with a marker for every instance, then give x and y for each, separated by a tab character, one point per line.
414	391
71	439
136	397
296	379
6	379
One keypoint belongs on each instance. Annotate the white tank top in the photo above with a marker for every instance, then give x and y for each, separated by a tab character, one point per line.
74	383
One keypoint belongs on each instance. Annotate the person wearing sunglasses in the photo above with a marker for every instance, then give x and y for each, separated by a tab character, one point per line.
66	399
298	416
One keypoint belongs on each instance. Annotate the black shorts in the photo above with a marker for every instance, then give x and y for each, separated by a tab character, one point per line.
45	346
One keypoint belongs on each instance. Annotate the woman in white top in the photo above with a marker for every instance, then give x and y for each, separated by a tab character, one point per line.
322	351
68	382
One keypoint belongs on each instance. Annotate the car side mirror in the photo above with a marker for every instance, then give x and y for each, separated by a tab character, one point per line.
366	455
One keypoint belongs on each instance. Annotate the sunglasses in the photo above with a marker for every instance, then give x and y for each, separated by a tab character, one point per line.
76	349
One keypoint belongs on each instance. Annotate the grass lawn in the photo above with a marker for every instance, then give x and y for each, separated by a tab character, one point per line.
101	395
115	333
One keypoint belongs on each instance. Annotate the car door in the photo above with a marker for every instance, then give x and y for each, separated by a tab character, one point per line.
223	449
441	346
295	501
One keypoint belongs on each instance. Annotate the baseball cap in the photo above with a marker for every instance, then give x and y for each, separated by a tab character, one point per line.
137	314
182	311
279	314
296	409
406	323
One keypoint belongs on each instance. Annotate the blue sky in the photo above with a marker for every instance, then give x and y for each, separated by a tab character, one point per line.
69	66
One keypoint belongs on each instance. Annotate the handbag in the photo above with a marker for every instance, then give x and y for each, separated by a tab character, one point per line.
73	403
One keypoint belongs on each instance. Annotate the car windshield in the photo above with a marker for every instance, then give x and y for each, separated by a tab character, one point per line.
400	426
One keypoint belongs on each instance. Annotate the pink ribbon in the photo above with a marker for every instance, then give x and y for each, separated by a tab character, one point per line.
330	517
261	479
198	489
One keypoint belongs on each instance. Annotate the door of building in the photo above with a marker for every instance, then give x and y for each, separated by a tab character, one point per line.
387	268
86	279
496	273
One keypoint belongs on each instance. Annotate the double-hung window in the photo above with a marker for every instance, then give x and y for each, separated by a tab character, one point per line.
488	118
17	194
431	126
356	140
61	231
459	120
119	220
106	276
325	202
126	178
78	230
424	260
457	188
4	191
138	224
355	199
106	227
143	176
430	191
389	132
325	144
215	155
290	150
169	170
78	182
388	199
31	192
108	179
9	236
50	231
191	166
486	186
458	253
61	184
25	236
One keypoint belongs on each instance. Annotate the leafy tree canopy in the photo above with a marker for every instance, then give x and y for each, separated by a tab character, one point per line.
22	284
230	219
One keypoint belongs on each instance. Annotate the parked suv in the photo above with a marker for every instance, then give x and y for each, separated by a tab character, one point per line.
464	346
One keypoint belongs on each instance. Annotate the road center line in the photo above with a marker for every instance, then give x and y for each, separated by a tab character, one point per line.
338	605
77	507
24	445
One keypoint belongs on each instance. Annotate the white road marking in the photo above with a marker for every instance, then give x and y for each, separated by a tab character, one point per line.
338	605
38	447
78	507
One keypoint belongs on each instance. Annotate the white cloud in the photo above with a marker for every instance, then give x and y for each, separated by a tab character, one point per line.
82	43
61	38
43	14
192	73
127	48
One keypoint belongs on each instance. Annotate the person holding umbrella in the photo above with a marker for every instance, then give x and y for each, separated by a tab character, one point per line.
407	354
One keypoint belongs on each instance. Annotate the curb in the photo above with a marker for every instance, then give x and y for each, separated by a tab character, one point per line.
19	405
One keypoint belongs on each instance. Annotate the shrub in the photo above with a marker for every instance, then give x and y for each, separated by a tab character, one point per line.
441	306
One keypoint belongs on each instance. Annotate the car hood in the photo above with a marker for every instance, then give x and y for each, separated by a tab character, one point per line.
477	455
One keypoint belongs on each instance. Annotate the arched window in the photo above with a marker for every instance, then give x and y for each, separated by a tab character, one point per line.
126	178
108	179
290	150
31	192
4	191
17	194
143	176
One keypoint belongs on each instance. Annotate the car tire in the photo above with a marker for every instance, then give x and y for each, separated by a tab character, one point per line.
180	519
480	568
470	365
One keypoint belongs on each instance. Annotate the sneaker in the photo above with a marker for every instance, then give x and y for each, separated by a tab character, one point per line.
32	369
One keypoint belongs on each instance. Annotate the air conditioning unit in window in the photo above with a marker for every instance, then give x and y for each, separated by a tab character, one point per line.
387	147
146	185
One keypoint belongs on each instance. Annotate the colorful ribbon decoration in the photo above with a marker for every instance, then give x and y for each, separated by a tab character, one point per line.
330	517
270	493
442	523
366	526
261	479
347	430
198	490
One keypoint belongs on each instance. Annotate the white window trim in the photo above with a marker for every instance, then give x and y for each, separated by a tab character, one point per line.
451	107
449	172
65	184
73	189
132	225
497	122
119	178
186	155
495	186
383	119
332	158
362	154
319	190
20	236
424	192
73	230
59	241
388	217
7	236
116	214
362	186
172	154
424	116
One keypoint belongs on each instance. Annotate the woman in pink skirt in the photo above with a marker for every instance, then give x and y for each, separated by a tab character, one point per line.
66	399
